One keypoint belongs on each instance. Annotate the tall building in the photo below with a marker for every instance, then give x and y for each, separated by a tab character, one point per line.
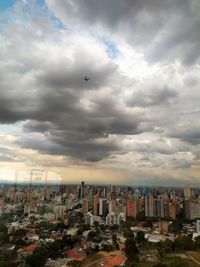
89	218
96	205
85	205
172	210
191	209
198	226
112	206
133	207
187	191
82	189
103	207
149	211
158	207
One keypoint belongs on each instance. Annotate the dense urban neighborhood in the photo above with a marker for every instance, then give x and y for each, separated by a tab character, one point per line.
88	226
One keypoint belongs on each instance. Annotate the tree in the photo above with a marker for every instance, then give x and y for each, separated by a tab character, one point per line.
83	228
160	264
92	234
131	249
19	233
176	226
165	247
129	233
179	262
140	216
107	247
197	243
140	239
183	243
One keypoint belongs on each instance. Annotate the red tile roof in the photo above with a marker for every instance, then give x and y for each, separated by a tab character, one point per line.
30	248
75	255
116	260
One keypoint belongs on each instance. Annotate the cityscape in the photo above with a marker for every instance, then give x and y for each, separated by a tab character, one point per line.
97	225
99	133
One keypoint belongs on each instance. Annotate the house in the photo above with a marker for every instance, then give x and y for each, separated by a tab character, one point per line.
75	254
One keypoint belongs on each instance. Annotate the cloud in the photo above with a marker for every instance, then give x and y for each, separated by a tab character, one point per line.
190	134
139	111
152	97
154	27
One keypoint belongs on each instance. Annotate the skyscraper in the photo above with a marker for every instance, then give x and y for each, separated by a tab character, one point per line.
85	205
133	207
103	207
187	192
149	205
82	189
96	205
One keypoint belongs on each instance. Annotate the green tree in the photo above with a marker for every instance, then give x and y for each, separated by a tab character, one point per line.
160	264
107	247
140	217
183	243
131	249
179	262
140	239
176	226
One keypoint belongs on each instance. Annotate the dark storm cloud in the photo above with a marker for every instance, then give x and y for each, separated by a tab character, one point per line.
79	133
152	97
164	30
190	134
41	83
63	75
87	150
181	163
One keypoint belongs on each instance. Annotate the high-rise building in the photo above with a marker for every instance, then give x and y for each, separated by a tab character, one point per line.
82	189
96	205
198	226
158	207
89	218
103	207
133	207
192	209
112	206
149	210
187	192
172	210
85	205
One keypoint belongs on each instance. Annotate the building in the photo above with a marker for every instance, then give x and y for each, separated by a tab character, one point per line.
89	219
112	206
112	218
158	207
149	211
133	207
187	191
82	189
96	205
163	227
172	210
198	226
103	207
85	205
192	209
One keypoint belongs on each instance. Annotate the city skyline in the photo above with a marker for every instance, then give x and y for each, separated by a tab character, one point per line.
134	121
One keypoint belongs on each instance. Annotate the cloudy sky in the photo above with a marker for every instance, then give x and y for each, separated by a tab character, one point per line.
136	121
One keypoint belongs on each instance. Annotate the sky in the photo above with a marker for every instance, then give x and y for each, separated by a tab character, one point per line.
136	121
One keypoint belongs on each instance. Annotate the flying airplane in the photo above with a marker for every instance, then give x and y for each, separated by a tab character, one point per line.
86	78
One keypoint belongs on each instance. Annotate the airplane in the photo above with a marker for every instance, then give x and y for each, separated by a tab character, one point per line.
86	78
